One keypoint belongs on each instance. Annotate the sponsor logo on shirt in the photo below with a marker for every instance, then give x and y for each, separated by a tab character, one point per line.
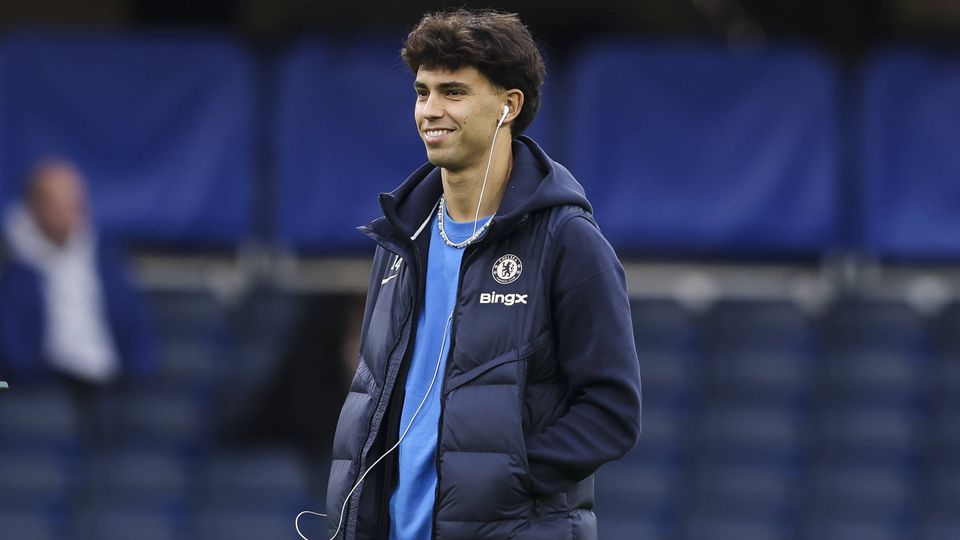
508	299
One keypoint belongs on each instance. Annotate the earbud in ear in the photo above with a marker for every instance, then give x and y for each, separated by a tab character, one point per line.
506	111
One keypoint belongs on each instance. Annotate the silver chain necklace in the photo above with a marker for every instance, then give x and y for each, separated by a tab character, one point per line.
443	234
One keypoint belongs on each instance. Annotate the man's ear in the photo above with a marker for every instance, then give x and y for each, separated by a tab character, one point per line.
513	98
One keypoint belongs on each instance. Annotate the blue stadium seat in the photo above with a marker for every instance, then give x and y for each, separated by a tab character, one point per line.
626	488
851	489
255	478
176	172
945	431
637	526
138	480
662	324
882	376
156	417
945	526
243	524
828	527
735	325
948	330
909	120
121	524
665	338
887	434
665	435
33	481
769	434
38	417
707	150
745	488
30	525
344	133
762	377
872	325
943	486
727	527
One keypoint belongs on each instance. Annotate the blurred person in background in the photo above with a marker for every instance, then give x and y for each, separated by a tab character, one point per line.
497	350
67	307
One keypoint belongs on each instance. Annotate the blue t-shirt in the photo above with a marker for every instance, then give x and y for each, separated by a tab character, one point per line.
411	506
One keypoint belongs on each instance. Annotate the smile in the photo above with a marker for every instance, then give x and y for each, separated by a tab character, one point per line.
436	135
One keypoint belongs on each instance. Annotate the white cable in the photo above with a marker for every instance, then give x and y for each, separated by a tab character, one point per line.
483	186
436	370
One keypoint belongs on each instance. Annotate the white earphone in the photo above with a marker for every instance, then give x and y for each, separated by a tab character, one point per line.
506	111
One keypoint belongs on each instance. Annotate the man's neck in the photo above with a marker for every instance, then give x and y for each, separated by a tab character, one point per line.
461	189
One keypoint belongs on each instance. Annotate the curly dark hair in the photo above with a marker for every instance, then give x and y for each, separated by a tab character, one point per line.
497	44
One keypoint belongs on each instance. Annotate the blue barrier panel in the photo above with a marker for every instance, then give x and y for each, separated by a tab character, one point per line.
910	160
688	149
160	123
344	133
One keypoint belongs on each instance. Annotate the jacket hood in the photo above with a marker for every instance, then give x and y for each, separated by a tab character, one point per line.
536	182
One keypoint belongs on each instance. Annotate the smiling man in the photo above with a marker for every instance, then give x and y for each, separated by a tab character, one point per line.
497	365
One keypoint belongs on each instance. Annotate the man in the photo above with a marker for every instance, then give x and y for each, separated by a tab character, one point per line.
497	347
66	306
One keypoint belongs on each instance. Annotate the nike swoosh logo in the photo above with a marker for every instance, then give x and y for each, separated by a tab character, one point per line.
385	280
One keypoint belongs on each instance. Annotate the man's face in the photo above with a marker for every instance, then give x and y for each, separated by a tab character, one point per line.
456	115
58	203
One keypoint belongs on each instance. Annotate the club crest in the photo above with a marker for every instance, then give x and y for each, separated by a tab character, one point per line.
507	269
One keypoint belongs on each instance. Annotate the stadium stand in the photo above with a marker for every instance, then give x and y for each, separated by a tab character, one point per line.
763	419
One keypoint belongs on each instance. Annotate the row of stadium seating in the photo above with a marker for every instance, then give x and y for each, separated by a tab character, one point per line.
761	422
197	141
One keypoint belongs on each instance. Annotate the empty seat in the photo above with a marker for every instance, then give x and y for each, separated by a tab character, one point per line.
762	376
831	527
665	435
246	523
747	432
726	527
641	525
941	526
186	314
254	478
666	347
625	488
156	417
744	488
863	491
33	480
763	325
40	417
138	480
881	376
943	486
104	523
661	325
29	525
870	433
872	325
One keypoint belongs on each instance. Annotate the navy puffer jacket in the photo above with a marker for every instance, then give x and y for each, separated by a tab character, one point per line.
542	383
